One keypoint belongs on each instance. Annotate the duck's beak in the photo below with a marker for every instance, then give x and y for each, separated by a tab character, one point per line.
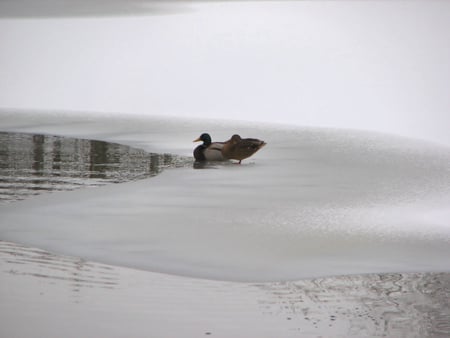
197	140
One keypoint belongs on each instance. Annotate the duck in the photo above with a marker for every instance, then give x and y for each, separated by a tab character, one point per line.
208	151
237	148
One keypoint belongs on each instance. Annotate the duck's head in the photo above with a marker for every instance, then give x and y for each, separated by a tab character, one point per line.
205	138
235	139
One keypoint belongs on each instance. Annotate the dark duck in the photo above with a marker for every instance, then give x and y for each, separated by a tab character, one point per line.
208	151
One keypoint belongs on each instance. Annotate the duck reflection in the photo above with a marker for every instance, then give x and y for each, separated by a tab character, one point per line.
32	164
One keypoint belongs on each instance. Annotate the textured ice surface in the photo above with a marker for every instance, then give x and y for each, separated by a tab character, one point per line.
314	202
67	296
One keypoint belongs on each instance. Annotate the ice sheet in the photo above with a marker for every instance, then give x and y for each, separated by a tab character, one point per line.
314	202
67	296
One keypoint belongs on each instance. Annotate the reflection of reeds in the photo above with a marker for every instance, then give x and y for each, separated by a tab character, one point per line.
33	164
75	272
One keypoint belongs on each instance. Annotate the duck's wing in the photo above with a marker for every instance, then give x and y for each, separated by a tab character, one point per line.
214	152
243	149
218	145
250	144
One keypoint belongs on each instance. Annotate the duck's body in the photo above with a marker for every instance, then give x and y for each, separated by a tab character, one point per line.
208	151
237	148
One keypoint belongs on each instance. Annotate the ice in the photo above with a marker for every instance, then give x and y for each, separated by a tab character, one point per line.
67	296
314	202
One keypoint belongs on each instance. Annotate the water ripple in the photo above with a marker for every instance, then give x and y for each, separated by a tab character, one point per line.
376	305
26	261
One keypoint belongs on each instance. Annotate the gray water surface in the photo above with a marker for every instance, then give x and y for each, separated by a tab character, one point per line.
32	164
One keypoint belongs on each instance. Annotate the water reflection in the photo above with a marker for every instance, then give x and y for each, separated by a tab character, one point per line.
72	272
32	164
211	165
379	305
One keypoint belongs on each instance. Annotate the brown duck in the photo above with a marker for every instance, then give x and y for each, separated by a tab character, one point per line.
237	148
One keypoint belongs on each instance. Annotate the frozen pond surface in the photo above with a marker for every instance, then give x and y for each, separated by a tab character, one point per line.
67	296
314	202
226	250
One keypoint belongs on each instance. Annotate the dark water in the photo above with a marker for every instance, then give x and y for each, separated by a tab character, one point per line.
31	164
